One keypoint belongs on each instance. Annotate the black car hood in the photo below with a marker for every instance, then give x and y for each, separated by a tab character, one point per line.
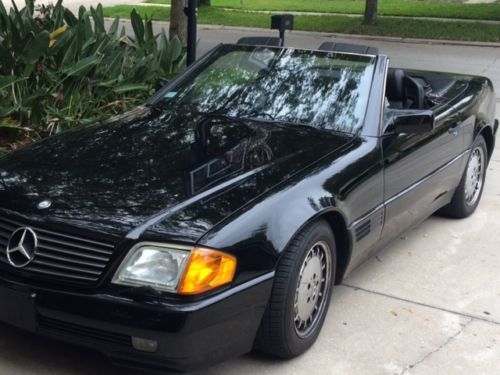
179	174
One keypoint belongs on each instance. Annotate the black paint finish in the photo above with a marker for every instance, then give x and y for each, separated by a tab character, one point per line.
244	186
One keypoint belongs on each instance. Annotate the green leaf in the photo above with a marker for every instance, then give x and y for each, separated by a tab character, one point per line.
30	7
87	26
114	64
98	19
87	46
131	87
36	47
6	81
7	111
7	61
137	26
58	15
109	83
82	66
4	18
149	37
176	46
113	29
70	18
70	54
81	12
7	122
15	15
34	98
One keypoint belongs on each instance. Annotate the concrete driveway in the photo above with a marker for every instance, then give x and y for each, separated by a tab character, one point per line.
427	304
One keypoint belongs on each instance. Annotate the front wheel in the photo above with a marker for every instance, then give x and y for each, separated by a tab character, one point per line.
468	194
301	293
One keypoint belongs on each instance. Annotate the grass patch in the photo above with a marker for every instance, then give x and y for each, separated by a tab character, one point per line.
411	8
407	28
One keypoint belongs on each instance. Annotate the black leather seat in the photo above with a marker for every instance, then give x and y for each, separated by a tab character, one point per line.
404	91
394	87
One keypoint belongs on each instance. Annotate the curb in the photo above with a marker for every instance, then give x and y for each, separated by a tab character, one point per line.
390	39
359	15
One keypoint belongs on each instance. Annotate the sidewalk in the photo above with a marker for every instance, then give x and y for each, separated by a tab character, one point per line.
323	14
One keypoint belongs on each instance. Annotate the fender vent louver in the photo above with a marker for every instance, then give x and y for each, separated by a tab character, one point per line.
363	230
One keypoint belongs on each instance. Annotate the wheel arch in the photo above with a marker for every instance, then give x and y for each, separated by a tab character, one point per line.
488	136
337	222
342	241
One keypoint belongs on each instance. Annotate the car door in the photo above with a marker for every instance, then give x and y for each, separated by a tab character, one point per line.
421	171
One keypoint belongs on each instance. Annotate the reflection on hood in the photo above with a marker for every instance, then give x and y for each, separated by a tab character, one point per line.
114	178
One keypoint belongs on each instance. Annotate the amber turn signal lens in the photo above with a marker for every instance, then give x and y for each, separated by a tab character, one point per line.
207	269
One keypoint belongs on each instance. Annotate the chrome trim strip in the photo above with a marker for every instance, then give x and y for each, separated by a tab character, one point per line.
382	104
405	191
303	49
358	221
426	178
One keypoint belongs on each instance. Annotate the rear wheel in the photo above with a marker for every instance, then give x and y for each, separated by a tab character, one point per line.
468	193
301	293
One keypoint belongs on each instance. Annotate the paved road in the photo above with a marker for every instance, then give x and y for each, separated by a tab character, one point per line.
427	304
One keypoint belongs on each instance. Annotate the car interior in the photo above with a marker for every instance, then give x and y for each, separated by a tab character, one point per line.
406	92
403	89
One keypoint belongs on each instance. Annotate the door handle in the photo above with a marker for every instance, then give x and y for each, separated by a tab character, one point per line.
453	130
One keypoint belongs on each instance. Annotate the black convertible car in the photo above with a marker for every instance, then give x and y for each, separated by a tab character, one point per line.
218	217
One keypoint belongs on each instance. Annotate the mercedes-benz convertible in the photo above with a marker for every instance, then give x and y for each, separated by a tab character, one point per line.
217	218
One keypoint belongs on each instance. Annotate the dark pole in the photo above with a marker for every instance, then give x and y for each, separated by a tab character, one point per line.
191	34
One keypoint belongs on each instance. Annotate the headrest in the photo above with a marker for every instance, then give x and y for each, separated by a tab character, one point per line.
394	88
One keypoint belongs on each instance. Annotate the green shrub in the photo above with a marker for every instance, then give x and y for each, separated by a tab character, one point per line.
59	70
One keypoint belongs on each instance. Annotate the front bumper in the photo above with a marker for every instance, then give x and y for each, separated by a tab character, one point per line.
190	335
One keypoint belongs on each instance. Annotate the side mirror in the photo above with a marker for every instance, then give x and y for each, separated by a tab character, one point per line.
413	122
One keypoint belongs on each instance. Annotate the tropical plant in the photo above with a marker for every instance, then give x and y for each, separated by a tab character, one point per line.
59	70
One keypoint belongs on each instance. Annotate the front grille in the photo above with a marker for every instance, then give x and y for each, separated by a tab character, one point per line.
58	327
59	255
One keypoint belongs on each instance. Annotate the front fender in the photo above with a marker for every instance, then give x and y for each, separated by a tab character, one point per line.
348	182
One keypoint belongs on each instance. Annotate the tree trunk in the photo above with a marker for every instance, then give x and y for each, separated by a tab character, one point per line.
178	21
370	12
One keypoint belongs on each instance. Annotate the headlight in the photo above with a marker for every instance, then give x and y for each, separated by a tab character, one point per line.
176	269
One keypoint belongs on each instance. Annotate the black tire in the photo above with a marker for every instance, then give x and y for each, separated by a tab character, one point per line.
280	333
461	206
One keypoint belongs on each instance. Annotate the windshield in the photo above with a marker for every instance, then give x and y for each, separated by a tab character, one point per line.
321	89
